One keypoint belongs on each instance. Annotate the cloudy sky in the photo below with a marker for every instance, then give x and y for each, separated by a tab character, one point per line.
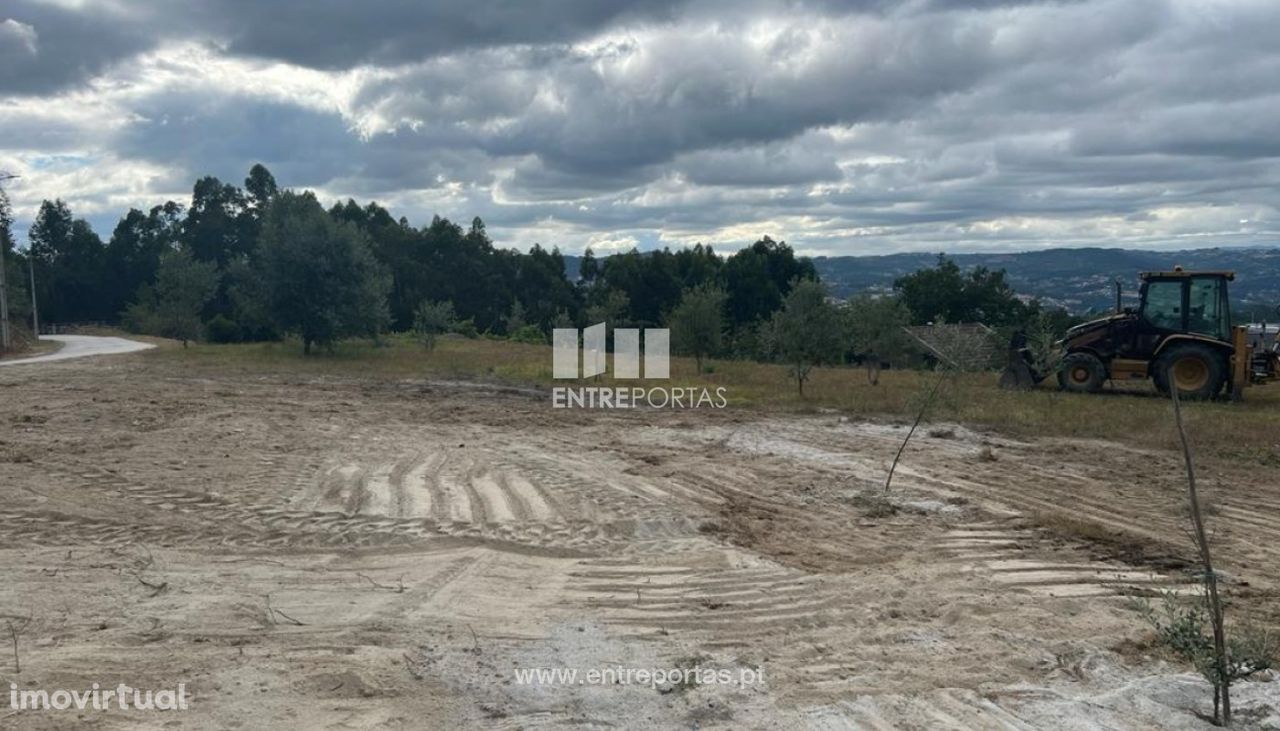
842	126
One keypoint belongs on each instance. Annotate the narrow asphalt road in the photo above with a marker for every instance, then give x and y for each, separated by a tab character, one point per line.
81	346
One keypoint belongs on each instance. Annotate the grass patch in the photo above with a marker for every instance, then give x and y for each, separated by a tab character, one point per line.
1264	456
1134	416
26	345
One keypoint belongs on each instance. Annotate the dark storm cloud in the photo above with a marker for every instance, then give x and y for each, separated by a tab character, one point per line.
801	161
339	33
79	40
44	47
532	179
1193	130
828	122
226	136
633	104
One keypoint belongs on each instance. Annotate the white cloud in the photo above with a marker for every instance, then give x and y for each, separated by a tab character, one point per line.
919	126
21	34
609	244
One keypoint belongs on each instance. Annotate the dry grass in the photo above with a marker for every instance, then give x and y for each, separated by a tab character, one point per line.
25	345
1248	431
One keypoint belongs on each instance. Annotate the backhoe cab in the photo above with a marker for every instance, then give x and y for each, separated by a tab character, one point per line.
1181	337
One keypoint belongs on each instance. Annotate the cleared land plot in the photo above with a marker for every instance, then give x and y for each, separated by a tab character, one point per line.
324	550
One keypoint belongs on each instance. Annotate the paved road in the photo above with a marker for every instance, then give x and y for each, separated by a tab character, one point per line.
81	346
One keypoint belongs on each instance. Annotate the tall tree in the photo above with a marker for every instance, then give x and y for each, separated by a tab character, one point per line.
397	246
760	276
171	307
19	297
133	253
6	223
873	326
222	227
945	292
261	187
541	287
320	279
69	266
611	307
217	225
648	280
6	243
698	266
806	331
588	268
697	323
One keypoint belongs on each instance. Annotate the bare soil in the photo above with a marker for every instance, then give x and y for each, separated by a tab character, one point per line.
373	554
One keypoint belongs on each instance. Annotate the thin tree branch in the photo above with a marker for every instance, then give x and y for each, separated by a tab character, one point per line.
1221	658
919	415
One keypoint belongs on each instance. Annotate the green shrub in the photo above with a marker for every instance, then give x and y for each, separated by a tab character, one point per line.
529	334
222	329
466	328
433	319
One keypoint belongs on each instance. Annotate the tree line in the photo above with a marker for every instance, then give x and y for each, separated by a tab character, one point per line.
259	262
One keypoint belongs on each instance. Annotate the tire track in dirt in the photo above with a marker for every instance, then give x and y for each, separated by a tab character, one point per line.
1010	551
465	482
1059	504
952	466
538	507
529	493
456	504
811	531
1016	556
400	501
599	497
531	484
1103	494
439	495
738	605
207	518
419	594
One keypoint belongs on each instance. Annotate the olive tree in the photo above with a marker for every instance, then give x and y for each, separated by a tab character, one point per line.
873	328
697	323
806	331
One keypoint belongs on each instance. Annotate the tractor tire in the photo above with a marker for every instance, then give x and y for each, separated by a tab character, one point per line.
1082	373
1197	371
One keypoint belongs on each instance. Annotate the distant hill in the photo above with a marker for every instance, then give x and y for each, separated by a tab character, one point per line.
1078	279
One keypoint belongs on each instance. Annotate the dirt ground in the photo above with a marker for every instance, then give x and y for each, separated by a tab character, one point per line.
370	554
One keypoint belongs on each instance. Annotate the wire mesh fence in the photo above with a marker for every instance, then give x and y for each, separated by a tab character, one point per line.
963	346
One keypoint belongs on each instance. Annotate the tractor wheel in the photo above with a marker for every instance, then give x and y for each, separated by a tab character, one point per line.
1197	371
1081	373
